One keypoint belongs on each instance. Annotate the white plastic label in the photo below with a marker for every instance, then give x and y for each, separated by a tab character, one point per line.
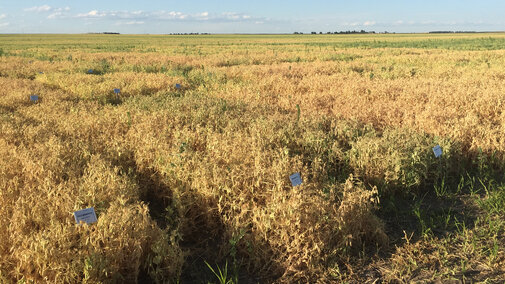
295	179
437	150
86	215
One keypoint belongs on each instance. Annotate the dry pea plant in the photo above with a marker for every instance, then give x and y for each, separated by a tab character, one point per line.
187	167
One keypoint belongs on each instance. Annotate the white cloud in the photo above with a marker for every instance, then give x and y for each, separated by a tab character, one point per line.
131	23
92	14
231	16
352	24
3	16
59	13
66	9
358	24
168	16
428	22
55	15
55	12
39	9
4	25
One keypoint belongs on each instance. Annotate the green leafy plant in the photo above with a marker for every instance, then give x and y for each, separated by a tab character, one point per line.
222	275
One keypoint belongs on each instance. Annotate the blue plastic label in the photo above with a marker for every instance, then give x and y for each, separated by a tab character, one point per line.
295	179
86	215
437	150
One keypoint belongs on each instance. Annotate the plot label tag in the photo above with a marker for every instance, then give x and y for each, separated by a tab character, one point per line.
437	150
295	179
86	215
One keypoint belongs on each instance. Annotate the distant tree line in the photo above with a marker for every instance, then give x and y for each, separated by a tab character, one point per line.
115	33
189	34
104	33
340	32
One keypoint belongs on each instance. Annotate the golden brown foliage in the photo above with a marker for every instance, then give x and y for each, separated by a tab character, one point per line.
202	172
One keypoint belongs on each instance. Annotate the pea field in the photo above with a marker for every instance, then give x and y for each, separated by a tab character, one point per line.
375	158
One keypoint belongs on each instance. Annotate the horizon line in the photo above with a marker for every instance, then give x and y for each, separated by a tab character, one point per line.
239	33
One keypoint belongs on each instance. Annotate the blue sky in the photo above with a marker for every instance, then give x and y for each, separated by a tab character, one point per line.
260	16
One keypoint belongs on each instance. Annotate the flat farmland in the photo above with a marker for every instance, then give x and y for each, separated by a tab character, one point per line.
184	147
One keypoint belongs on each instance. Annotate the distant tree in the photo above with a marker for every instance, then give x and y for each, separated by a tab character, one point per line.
314	33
